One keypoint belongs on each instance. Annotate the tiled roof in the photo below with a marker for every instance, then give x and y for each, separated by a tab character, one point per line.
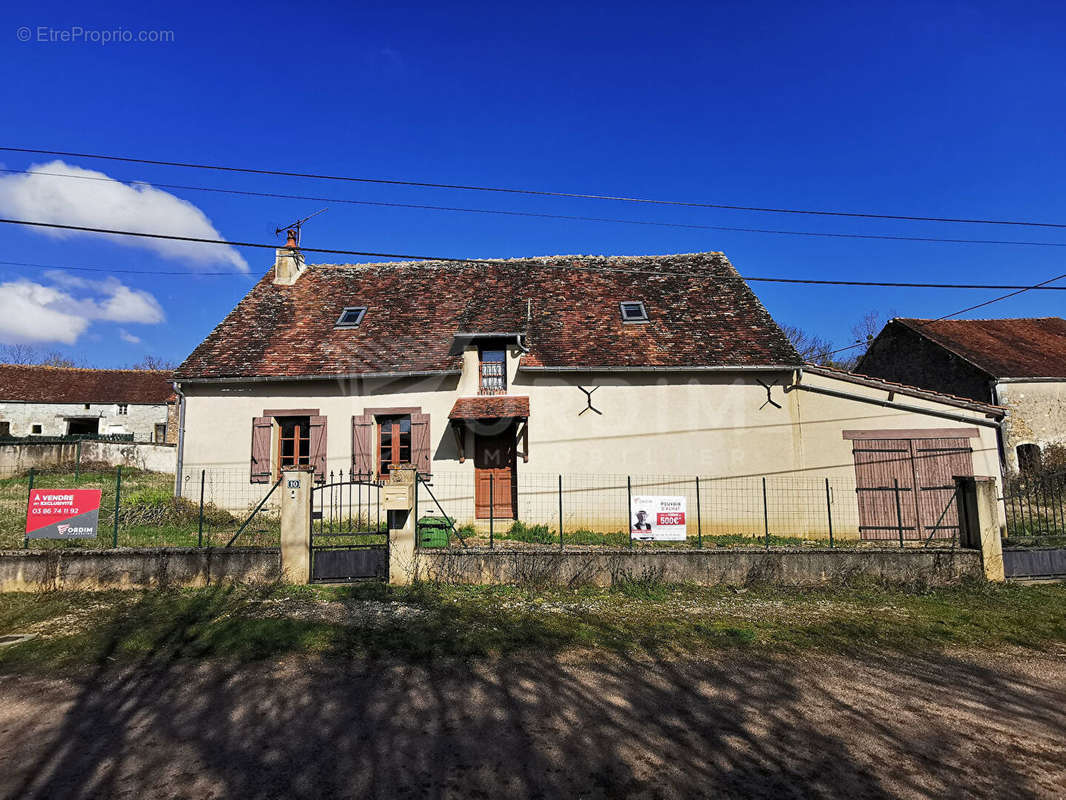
490	407
905	389
37	384
701	314
1004	348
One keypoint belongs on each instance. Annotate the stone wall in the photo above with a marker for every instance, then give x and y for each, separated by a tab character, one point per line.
46	570
732	567
21	456
1037	415
136	568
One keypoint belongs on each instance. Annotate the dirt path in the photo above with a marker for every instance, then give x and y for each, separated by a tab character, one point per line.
735	726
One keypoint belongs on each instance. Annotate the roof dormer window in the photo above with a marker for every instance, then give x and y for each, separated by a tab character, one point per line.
633	311
351	317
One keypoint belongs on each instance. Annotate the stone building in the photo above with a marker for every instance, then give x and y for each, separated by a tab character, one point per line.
61	401
1016	363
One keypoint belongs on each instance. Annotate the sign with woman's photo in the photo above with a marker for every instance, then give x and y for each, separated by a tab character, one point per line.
657	518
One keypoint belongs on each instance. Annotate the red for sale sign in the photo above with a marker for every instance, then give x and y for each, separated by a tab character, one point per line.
63	514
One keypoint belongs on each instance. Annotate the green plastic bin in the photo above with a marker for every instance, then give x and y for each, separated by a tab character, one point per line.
434	531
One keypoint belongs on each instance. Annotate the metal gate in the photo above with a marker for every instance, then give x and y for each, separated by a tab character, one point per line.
349	537
1036	527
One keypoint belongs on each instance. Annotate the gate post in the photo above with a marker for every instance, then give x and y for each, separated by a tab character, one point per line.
978	508
296	525
399	497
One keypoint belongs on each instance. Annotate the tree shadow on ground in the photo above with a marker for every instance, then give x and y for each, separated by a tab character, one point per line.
532	723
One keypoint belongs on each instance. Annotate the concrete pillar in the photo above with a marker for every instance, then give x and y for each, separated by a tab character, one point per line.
296	525
979	522
398	496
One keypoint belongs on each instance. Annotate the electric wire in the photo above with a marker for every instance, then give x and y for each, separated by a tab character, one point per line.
531	192
474	261
535	214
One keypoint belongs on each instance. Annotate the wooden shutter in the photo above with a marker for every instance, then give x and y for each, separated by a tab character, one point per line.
262	433
363	446
421	455
317	447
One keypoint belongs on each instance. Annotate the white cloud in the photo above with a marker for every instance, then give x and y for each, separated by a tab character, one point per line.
126	336
93	199
33	312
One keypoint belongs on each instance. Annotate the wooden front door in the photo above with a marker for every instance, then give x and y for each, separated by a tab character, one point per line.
496	474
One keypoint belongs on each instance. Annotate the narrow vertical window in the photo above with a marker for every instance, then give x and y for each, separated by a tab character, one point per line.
1028	459
493	372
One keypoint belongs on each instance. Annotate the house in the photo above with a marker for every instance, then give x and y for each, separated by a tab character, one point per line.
62	401
1016	363
501	376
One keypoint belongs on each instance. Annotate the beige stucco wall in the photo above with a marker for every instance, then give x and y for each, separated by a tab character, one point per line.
661	429
1037	415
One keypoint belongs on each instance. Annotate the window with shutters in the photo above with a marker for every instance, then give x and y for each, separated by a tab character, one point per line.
288	440
394	442
294	442
383	437
493	371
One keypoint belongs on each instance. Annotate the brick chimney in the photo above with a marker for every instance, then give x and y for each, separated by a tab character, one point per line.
289	262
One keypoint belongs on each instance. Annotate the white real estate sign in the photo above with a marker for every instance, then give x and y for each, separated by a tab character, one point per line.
657	518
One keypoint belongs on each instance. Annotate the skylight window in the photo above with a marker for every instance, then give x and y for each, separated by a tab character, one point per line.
351	317
634	311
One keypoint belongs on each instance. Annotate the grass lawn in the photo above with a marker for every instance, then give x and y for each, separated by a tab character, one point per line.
424	623
149	514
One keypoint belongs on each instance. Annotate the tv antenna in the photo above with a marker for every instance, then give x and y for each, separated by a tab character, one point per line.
293	229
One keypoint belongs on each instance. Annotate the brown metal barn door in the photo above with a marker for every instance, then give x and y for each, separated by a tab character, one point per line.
879	465
936	463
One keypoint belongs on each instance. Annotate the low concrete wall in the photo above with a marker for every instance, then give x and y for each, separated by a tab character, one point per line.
21	456
135	568
705	567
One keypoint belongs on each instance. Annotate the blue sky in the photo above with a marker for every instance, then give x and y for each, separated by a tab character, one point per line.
933	109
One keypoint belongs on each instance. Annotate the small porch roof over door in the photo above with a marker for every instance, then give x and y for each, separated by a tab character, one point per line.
490	407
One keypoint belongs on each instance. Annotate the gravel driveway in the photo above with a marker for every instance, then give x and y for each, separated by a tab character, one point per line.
964	725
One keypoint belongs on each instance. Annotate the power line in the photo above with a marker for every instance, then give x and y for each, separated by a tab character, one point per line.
531	192
120	270
475	261
511	213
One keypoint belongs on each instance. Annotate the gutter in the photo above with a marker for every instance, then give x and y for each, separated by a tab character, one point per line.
1028	380
181	438
767	368
334	377
898	406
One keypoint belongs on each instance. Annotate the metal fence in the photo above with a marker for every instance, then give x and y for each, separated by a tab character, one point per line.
582	510
1036	509
218	506
139	508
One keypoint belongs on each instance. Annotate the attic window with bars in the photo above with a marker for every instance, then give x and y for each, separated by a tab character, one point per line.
633	311
351	317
